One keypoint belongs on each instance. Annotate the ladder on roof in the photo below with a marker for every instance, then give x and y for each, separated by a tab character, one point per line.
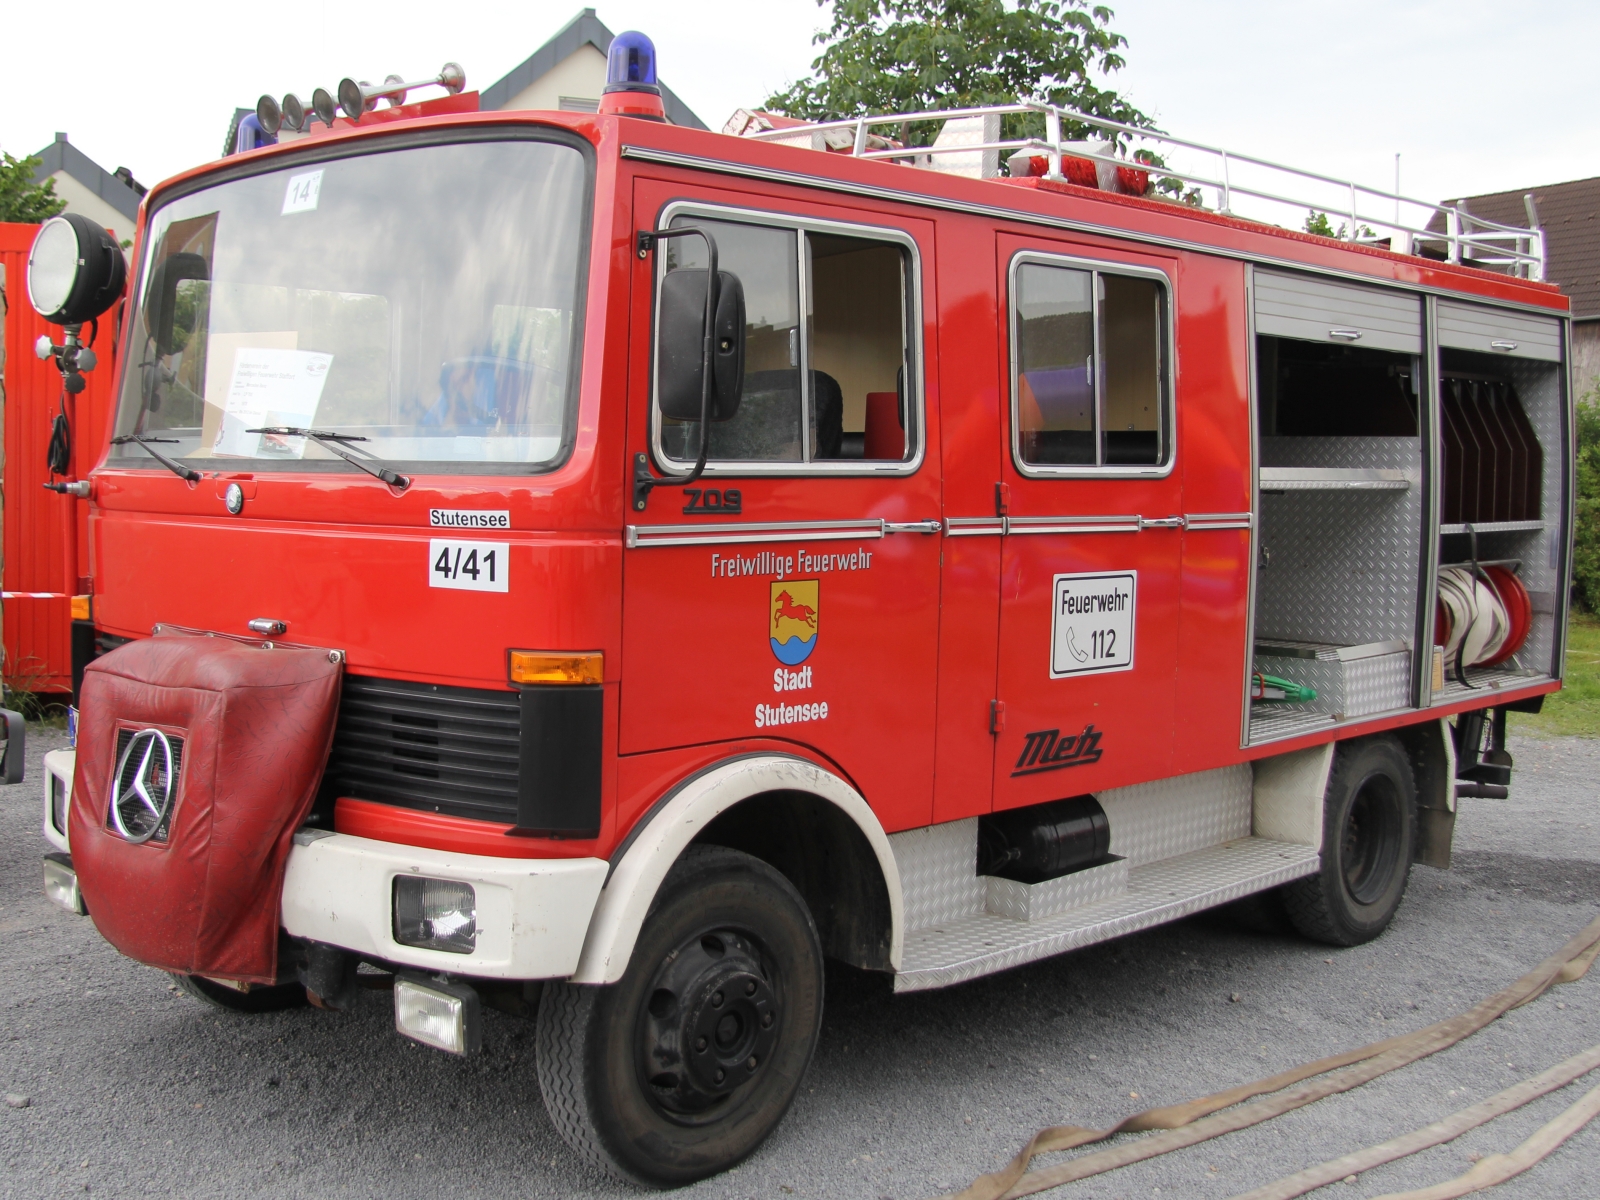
970	144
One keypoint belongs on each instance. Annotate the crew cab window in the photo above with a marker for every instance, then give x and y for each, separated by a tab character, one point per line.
1090	380
827	346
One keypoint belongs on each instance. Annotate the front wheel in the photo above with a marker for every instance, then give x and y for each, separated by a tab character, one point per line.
685	1065
1369	833
258	998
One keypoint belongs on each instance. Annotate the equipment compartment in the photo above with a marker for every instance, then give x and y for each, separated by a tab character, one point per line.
1340	541
1512	519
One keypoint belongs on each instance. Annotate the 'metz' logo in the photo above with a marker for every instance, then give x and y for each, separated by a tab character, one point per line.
1047	750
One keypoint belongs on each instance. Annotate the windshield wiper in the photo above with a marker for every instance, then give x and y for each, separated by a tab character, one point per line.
329	440
139	439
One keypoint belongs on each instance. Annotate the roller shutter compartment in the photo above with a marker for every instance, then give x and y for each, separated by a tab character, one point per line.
1497	331
1321	310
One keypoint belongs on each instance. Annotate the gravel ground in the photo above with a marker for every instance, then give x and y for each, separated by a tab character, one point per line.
137	1090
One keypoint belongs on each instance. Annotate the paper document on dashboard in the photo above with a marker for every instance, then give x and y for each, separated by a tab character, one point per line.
271	387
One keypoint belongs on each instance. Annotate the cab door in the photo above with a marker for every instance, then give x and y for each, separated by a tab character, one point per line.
789	597
1093	533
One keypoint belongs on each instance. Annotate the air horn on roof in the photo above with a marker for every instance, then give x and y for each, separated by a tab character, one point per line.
354	99
292	113
357	98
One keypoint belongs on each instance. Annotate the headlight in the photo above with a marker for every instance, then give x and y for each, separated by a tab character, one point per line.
435	914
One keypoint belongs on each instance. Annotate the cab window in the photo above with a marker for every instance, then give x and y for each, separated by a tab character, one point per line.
827	351
1089	372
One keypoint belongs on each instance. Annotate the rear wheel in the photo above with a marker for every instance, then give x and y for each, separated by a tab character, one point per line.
685	1065
259	999
1369	832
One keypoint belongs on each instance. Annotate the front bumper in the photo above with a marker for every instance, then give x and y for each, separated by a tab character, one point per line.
58	766
533	914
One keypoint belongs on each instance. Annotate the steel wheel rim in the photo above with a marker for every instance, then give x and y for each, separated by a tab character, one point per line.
1370	839
708	1027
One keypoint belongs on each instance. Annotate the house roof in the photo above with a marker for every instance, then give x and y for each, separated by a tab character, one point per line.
1569	214
583	28
61	155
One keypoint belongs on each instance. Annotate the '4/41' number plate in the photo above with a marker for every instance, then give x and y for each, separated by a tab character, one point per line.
472	566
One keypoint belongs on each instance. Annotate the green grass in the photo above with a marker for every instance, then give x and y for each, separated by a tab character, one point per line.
1574	711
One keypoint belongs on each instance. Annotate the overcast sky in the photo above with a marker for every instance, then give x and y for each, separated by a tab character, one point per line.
1475	95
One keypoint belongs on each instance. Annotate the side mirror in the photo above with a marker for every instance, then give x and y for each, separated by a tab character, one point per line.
75	270
161	298
680	351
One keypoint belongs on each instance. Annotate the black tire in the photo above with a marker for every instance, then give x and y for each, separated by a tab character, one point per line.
728	966
258	999
1369	835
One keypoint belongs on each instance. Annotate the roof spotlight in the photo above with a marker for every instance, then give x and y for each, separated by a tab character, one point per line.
75	270
322	104
294	112
269	114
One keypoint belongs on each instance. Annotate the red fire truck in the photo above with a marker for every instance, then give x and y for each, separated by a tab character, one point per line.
569	562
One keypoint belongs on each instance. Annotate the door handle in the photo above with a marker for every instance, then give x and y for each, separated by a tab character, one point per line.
912	526
1162	522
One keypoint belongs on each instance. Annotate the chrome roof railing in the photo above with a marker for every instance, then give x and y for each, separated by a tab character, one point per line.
1465	238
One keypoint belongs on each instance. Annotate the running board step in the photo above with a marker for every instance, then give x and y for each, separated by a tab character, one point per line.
968	947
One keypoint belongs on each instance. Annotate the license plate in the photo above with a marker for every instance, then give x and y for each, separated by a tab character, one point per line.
470	566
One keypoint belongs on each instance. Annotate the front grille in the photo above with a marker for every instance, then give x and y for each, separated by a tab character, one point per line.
424	745
135	813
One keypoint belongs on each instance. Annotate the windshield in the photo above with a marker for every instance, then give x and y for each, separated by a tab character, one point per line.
424	299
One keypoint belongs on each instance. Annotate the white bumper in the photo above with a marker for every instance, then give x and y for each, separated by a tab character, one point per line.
533	913
58	765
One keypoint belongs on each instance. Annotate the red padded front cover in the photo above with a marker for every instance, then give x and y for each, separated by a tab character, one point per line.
256	725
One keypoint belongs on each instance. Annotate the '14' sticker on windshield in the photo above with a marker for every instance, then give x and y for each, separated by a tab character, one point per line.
302	193
471	566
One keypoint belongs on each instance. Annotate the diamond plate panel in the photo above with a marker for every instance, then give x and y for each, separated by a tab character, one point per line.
1157	893
1035	901
939	873
1340	567
1275	725
1485	684
1539	387
1152	821
1377	684
1356	688
1149	821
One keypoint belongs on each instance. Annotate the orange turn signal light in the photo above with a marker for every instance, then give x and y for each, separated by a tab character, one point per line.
557	666
80	608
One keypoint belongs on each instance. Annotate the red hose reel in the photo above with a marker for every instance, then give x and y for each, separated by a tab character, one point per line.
1482	615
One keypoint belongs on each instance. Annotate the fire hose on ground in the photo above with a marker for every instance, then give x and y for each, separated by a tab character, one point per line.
1178	1126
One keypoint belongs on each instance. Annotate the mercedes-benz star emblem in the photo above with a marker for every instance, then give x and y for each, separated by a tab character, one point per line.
144	786
233	497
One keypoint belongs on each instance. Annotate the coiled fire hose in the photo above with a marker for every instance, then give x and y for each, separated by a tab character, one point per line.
1184	1125
1479	610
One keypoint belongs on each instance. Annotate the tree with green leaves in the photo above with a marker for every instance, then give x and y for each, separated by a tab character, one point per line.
21	199
887	56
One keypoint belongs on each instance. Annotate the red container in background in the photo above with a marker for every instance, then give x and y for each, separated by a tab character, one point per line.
45	539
